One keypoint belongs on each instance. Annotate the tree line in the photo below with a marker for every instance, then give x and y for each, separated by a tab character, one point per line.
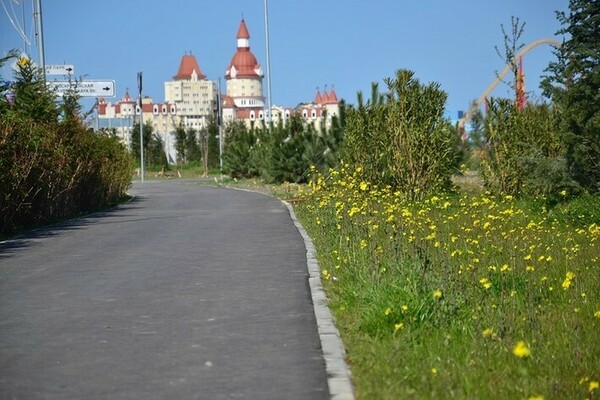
399	137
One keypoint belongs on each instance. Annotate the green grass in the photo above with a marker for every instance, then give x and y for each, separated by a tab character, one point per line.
432	299
191	170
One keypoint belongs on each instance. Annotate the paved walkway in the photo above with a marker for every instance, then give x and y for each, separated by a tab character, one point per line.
187	292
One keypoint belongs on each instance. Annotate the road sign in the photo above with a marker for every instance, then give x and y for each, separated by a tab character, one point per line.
61	69
85	88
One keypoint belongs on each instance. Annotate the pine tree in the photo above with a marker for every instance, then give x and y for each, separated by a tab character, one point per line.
574	86
31	96
180	144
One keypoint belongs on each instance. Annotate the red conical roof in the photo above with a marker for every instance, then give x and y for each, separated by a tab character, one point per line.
126	97
332	96
187	66
243	31
318	97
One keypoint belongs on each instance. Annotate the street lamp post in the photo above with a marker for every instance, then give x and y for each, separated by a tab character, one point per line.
268	113
139	76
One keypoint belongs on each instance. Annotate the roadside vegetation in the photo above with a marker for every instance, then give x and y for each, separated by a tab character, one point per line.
51	165
472	291
456	267
459	295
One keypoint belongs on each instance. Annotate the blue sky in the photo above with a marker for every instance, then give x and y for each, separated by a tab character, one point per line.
348	44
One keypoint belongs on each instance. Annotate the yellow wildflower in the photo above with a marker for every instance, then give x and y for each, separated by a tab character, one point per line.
23	61
521	350
388	311
398	326
593	386
487	332
567	282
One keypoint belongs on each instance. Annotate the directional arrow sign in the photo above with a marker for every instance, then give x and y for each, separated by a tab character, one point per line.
63	69
85	88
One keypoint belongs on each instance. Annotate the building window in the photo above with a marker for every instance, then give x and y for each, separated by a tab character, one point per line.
252	116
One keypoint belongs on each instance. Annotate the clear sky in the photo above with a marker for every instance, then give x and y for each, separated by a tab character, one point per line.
348	44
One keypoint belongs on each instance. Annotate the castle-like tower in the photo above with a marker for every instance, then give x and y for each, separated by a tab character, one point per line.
244	98
193	95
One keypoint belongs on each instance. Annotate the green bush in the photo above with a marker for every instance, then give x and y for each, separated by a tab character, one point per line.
402	139
51	165
524	153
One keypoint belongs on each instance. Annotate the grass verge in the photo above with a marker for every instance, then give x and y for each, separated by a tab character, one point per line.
458	296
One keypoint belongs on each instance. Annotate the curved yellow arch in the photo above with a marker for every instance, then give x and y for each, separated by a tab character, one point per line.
508	67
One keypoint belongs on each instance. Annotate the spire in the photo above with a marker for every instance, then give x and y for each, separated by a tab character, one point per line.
126	97
332	96
243	36
318	98
244	63
243	31
324	96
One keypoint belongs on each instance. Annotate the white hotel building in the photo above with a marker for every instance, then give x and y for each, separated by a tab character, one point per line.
191	99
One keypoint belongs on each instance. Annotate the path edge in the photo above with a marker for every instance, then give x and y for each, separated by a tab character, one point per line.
338	374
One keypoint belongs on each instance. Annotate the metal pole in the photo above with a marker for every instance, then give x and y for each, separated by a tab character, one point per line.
141	127
268	65
24	27
40	36
220	125
97	119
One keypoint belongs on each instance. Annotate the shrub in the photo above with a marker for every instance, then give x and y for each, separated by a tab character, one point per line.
402	139
51	165
524	152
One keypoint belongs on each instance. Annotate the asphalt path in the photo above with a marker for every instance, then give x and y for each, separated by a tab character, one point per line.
186	292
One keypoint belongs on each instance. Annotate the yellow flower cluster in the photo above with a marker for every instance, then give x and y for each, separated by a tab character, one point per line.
488	240
489	260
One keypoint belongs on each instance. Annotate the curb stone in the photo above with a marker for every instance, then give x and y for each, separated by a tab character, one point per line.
338	380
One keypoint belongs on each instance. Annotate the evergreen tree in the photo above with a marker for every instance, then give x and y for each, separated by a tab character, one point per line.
573	85
180	147
237	152
135	141
213	145
31	96
192	145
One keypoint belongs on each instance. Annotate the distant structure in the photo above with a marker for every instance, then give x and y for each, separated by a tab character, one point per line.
191	100
193	95
244	98
122	114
